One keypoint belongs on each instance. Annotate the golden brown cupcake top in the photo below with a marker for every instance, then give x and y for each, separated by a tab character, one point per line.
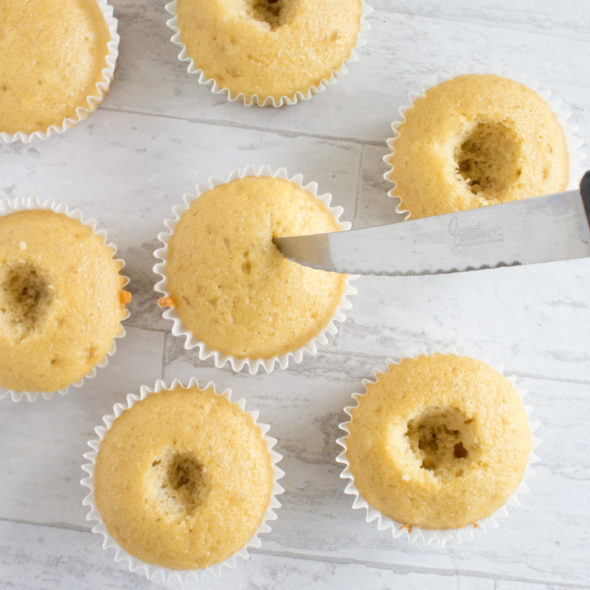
438	441
269	48
229	283
183	478
477	140
61	300
52	53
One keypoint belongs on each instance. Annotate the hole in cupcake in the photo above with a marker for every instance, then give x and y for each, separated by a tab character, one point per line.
26	296
267	11
459	451
487	159
443	440
179	482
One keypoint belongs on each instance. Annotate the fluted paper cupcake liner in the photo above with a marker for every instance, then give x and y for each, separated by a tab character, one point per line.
92	101
264	101
8	206
574	143
416	533
150	570
238	363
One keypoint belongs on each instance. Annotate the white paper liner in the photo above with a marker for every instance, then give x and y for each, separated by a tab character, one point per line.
238	363
150	570
264	101
8	206
574	143
94	100
416	533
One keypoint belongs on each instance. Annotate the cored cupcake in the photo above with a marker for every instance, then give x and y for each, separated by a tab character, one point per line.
476	140
266	52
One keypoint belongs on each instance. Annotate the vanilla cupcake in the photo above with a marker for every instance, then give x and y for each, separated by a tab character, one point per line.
57	59
476	140
266	51
184	479
229	289
61	300
437	442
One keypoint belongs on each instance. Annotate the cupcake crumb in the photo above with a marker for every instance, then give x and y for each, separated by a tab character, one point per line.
124	297
166	302
440	441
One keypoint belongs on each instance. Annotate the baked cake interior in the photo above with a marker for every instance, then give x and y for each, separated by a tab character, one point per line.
443	440
488	158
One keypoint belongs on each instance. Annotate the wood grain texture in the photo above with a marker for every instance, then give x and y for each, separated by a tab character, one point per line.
157	134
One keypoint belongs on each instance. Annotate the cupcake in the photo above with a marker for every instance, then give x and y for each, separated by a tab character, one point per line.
57	59
476	140
266	51
184	478
437	442
61	300
230	289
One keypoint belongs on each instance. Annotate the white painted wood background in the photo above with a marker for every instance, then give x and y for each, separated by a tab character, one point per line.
157	134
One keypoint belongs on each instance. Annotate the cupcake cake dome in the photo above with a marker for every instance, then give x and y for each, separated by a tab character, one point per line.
438	442
57	59
267	51
230	287
61	300
476	140
183	478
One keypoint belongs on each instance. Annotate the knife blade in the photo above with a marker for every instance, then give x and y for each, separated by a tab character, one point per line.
529	231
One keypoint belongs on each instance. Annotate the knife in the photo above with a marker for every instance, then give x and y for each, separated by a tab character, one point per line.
529	231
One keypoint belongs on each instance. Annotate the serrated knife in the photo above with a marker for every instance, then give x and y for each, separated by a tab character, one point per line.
529	231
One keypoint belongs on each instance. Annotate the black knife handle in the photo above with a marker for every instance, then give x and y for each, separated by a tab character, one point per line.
585	192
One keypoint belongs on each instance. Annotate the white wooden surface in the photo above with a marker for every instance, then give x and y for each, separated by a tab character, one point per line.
157	134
